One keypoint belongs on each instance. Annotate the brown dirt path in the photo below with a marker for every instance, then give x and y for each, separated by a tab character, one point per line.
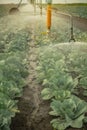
33	110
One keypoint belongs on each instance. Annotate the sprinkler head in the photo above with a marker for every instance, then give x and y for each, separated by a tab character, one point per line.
48	31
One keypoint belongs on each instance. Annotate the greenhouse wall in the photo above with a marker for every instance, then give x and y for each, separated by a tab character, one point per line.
12	1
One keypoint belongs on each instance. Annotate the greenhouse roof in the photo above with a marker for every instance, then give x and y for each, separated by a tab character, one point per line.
12	1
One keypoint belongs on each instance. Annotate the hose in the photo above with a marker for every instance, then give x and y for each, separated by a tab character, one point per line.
19	4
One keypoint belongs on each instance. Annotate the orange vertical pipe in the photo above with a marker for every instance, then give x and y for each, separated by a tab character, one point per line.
48	16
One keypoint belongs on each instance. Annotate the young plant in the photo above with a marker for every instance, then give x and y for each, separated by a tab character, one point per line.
70	112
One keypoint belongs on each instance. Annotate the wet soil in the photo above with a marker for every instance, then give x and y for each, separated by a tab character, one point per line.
33	110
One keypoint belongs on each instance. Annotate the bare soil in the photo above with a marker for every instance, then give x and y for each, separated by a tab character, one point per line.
33	110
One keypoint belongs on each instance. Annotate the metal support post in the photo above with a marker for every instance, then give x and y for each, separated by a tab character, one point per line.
49	15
